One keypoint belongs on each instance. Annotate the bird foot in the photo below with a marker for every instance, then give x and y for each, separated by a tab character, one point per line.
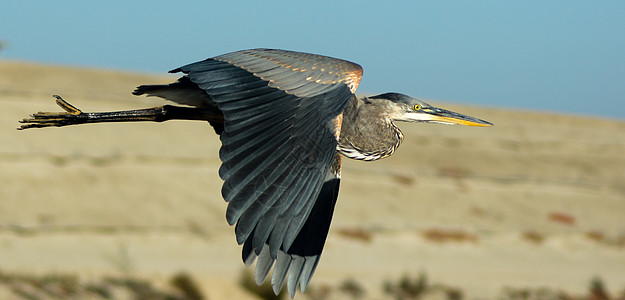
54	119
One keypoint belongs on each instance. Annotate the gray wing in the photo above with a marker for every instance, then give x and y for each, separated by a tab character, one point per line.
280	168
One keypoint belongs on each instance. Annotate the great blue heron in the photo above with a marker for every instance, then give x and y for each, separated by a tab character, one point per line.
285	118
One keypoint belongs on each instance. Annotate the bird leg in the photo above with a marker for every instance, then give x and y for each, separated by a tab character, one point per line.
74	116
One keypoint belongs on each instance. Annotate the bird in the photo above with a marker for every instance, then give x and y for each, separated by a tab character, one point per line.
285	120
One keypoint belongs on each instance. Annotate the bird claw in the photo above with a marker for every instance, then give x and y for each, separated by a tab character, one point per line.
66	106
53	119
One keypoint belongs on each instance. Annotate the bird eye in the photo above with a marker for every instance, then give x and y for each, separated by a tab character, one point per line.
417	107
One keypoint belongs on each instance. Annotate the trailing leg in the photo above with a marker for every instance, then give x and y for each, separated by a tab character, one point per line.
74	116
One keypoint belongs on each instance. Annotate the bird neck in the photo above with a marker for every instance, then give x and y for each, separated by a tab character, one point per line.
367	133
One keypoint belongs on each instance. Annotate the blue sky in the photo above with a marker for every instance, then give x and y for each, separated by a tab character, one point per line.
566	56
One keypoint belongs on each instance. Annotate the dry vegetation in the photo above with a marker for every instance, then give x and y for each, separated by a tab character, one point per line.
70	286
357	233
441	235
533	236
183	287
562	218
599	237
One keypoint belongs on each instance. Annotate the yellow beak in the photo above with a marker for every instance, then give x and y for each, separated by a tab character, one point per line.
439	115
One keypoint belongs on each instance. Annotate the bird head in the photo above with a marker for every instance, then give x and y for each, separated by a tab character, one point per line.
408	109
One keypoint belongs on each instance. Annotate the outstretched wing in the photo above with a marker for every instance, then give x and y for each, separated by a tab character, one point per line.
282	113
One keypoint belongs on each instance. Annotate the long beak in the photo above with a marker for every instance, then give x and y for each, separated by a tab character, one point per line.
443	116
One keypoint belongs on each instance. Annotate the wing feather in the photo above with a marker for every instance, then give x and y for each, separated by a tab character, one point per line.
232	83
246	83
280	269
272	72
332	70
295	272
308	88
267	223
264	264
276	185
240	115
245	174
278	150
263	229
307	271
257	136
268	118
276	97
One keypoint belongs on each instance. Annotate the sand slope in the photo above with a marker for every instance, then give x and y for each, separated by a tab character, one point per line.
537	200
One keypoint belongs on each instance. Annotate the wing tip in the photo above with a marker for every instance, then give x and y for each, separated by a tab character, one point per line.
296	270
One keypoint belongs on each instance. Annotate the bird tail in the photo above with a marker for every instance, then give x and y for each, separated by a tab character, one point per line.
185	92
182	91
149	89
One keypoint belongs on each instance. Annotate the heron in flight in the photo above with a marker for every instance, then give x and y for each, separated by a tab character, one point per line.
285	119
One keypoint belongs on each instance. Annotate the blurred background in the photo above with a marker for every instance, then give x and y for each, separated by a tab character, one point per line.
534	206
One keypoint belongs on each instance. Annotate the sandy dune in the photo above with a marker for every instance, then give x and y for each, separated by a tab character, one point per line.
536	200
